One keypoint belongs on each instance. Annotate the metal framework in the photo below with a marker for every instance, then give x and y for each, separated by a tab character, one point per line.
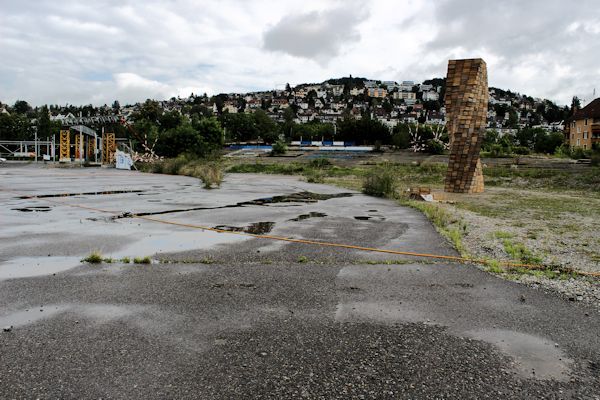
65	146
77	147
109	147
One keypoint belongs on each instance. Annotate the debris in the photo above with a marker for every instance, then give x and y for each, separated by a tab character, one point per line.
7	328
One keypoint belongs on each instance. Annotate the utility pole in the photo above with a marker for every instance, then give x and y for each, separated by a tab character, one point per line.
35	147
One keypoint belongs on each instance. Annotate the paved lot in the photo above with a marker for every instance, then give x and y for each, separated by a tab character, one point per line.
226	316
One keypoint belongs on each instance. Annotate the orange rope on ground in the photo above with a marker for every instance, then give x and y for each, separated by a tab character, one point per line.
306	241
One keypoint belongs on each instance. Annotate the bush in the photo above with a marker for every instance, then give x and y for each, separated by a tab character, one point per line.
314	176
279	147
434	146
381	182
142	260
320	162
95	257
521	150
209	172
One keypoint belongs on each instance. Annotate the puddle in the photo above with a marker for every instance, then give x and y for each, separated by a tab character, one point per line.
366	218
300	197
256	228
44	196
33	208
535	357
26	267
312	214
175	241
382	312
31	315
100	313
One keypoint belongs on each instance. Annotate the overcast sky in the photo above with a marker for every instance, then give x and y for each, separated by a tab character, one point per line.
95	52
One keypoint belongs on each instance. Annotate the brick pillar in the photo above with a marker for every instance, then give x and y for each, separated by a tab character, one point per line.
466	116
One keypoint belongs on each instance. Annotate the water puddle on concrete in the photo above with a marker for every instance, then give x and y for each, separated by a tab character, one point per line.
369	218
33	209
535	357
382	312
106	192
312	214
256	228
26	267
31	315
176	241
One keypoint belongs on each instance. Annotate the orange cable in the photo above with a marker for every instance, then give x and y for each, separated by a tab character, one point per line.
306	241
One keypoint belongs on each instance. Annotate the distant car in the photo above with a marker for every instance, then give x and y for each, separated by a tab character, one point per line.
2	160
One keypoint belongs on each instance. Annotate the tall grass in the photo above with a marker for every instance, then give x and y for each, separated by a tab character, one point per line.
381	181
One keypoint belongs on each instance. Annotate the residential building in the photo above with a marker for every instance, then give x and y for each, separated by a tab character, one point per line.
583	128
431	96
377	92
407	86
356	91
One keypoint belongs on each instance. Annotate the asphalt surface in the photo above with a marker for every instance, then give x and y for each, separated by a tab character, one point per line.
222	316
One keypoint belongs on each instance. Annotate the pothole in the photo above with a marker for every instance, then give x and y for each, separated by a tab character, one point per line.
33	209
256	228
312	214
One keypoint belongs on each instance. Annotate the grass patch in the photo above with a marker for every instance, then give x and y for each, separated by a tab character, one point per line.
210	170
519	252
302	259
448	225
503	235
95	257
125	260
142	260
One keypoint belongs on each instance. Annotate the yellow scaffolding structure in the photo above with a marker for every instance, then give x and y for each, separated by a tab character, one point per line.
65	146
109	146
77	147
91	150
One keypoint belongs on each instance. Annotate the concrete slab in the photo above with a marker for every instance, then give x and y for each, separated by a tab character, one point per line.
225	316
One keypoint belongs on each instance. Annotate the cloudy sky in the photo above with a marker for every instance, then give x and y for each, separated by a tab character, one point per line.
83	52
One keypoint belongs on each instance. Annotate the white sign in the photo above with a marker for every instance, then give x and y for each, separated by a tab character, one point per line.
123	160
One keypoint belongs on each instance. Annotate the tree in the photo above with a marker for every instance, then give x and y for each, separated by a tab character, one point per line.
45	127
401	136
22	107
268	130
15	127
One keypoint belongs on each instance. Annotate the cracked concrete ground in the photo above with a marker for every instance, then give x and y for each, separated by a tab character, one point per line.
226	316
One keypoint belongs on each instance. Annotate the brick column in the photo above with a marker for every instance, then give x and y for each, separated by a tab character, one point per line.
466	115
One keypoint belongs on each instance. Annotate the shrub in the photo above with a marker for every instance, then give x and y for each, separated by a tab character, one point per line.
320	162
95	257
314	176
210	174
381	182
279	147
434	146
142	260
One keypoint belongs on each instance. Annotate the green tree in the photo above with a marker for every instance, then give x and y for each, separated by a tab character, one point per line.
268	130
21	107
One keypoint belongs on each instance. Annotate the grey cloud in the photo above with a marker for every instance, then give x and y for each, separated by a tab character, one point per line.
316	35
543	35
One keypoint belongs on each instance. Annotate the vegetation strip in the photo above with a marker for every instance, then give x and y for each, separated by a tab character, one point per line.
318	243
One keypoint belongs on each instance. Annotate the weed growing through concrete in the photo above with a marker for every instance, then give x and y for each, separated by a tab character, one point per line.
95	257
302	259
125	260
142	260
381	182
